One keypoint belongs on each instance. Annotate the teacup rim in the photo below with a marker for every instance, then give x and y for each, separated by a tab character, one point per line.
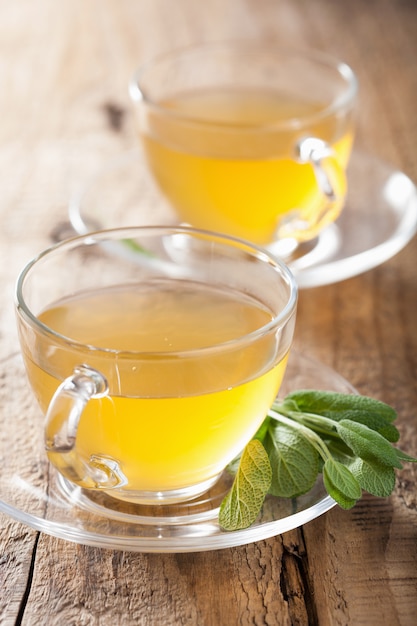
344	99
279	320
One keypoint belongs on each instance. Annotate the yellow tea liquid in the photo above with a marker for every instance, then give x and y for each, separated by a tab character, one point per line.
226	162
172	418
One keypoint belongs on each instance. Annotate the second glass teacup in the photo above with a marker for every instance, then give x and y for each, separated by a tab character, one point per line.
155	353
248	138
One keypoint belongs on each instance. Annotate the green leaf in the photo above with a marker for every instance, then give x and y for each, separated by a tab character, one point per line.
133	245
403	456
338	406
371	420
368	444
294	461
242	504
340	484
331	404
376	479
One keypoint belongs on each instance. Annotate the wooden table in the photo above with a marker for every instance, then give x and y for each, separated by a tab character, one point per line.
64	112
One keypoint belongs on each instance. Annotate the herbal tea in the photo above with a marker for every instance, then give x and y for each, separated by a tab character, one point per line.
225	158
181	410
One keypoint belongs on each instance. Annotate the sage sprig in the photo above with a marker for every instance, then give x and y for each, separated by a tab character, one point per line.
348	438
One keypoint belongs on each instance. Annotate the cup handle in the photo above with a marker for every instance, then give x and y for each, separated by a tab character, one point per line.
62	419
331	181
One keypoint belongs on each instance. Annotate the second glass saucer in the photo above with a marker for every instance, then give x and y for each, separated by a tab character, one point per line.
379	219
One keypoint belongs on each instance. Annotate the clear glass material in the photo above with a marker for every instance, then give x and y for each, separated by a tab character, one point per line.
32	491
248	138
379	219
154	353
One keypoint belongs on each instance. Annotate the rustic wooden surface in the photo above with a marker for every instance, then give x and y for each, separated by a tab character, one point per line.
64	111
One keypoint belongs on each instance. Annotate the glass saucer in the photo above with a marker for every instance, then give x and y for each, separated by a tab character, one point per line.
379	219
32	492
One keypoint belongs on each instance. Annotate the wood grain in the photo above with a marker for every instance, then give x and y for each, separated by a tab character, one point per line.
64	112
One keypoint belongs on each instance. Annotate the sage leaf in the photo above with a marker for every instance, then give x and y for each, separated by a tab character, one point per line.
372	421
337	406
376	479
332	404
243	503
367	444
294	461
403	456
340	484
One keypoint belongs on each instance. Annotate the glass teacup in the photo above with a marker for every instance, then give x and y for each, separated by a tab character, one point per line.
155	353
247	138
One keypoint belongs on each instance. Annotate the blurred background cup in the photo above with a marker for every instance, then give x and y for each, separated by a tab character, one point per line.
248	138
155	354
